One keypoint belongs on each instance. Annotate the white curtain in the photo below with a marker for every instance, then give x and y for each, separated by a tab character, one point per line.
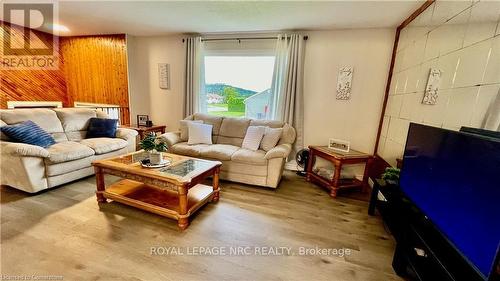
288	99
492	118
195	76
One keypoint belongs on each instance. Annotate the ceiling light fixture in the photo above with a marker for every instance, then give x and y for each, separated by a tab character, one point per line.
58	27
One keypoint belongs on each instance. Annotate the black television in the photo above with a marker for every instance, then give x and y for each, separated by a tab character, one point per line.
454	179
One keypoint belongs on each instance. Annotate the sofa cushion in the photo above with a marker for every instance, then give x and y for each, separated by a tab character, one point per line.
248	156
104	145
183	128
267	123
45	118
102	128
234	127
55	169
229	140
199	133
215	121
2	135
288	135
75	119
253	137
28	132
76	135
22	149
68	151
183	148
271	138
219	151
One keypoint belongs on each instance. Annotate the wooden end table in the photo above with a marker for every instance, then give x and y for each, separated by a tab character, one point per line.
144	130
175	191
338	159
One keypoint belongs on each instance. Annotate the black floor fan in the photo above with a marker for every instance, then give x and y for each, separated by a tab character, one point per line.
302	158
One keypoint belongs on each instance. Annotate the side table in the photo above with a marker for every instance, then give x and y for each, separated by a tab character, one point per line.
144	130
338	159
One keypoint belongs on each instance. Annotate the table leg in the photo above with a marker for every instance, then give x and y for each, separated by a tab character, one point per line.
310	164
215	185
183	221
336	180
373	200
99	178
365	175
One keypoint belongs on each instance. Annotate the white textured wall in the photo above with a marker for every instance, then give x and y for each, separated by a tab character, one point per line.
461	39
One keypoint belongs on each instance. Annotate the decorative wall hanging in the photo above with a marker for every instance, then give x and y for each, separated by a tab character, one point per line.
344	83
164	75
431	91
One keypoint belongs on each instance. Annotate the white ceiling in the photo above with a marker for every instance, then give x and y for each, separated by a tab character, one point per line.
166	17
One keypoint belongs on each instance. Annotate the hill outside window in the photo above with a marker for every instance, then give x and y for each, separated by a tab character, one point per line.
236	78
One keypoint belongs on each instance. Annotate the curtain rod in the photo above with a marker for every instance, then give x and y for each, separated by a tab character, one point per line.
239	39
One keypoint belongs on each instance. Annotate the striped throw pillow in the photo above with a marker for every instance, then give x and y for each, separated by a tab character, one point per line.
253	137
28	132
271	138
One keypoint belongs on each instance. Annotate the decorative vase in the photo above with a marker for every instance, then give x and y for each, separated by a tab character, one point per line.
155	157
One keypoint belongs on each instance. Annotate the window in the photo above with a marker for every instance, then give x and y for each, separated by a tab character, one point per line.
238	86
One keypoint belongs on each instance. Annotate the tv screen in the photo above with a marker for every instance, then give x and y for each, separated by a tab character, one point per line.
454	179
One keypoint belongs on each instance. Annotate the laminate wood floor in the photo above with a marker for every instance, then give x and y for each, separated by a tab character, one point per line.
64	232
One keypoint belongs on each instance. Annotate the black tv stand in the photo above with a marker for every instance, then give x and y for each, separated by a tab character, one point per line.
422	251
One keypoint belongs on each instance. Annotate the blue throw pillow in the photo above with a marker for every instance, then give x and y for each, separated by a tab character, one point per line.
102	128
28	132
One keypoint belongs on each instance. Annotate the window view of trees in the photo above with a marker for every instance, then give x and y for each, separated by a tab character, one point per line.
233	83
226	100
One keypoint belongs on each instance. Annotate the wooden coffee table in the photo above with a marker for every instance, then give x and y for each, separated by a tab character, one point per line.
175	191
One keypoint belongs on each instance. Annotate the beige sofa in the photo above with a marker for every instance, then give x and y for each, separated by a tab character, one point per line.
33	168
238	164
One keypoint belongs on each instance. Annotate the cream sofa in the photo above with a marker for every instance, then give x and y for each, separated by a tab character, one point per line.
33	168
238	164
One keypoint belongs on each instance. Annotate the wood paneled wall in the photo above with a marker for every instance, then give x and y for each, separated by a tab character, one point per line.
95	68
31	85
91	69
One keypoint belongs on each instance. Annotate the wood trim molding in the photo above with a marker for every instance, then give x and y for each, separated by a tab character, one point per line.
391	69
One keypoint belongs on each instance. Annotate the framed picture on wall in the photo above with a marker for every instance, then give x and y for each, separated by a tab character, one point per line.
432	88
142	120
339	145
344	83
164	75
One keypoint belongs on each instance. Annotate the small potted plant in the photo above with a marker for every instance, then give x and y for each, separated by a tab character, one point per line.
391	175
155	146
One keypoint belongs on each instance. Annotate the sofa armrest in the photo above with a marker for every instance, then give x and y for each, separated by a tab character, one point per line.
171	138
126	134
279	151
23	149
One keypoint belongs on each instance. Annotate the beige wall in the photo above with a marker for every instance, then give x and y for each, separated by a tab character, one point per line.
368	51
462	40
146	97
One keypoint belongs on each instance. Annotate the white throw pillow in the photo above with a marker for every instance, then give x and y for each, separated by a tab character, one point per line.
253	137
271	138
183	127
199	133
